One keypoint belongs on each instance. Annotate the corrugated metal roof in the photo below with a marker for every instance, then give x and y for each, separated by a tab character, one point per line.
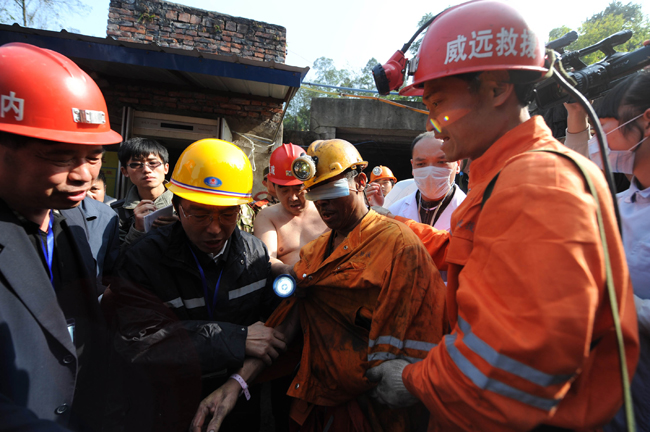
150	62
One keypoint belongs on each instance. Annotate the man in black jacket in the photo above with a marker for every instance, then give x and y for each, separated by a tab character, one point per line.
188	298
53	123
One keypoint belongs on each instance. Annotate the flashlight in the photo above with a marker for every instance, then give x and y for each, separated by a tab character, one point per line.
304	167
284	285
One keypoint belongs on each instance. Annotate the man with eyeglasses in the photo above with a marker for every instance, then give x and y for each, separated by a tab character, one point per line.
145	162
188	298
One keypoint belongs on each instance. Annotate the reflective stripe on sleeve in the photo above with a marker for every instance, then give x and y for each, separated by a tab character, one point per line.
391	356
240	292
483	382
503	362
400	344
188	303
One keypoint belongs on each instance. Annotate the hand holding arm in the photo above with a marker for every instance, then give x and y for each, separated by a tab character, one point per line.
390	389
264	342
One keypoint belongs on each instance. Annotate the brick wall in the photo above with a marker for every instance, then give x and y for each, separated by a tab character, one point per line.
172	25
190	103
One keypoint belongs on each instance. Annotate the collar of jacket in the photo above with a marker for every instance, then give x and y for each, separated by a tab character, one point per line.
178	252
531	133
133	198
349	244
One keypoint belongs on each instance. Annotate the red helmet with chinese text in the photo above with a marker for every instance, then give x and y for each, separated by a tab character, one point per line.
477	36
280	165
45	95
381	172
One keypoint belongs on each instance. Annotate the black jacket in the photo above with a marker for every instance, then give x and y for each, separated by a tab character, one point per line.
163	330
42	386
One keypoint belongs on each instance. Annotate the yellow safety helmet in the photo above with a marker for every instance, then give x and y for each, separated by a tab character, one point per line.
381	172
326	159
213	172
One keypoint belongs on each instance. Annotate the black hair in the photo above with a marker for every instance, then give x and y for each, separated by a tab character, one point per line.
137	148
418	138
102	177
626	100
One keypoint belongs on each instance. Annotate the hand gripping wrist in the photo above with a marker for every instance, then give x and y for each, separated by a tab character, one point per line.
242	383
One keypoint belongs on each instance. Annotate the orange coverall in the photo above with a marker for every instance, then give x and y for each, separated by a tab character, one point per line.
380	271
533	339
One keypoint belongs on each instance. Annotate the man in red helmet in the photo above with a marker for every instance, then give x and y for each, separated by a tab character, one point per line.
286	228
532	346
53	124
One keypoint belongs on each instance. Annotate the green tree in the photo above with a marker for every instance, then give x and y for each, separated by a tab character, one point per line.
45	14
415	46
616	17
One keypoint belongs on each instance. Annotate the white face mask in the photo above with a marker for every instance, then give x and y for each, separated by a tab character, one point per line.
621	161
433	182
336	189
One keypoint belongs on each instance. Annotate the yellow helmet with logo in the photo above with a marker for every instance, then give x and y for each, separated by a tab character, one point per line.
326	159
213	172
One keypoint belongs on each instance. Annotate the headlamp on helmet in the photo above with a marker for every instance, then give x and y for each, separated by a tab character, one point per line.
304	167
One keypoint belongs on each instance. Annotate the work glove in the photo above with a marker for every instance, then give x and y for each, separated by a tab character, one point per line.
390	390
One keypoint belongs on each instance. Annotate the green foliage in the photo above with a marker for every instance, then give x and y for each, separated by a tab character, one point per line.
326	72
415	46
616	17
44	14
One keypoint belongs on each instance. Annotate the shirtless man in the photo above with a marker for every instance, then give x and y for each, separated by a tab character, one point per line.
286	228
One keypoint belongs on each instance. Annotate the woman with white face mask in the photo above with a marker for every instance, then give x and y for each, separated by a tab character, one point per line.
624	115
437	195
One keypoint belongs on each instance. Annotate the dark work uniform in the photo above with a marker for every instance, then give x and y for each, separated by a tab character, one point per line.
175	351
52	338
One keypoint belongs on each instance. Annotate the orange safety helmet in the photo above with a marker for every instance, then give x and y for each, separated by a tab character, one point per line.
45	95
381	172
280	165
477	36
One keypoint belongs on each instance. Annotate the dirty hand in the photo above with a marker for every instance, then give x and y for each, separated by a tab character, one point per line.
390	390
374	194
143	208
264	342
219	403
164	220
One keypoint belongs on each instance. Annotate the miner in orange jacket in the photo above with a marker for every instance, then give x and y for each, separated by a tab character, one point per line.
532	345
368	291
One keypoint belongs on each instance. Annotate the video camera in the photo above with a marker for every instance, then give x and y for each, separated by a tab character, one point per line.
595	79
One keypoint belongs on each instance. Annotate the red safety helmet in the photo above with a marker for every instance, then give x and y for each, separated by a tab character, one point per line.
45	95
480	35
280	165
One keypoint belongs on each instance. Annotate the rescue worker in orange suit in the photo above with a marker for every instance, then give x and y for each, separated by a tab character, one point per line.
367	292
533	345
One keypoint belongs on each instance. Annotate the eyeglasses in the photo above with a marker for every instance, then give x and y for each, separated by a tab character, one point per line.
137	165
230	218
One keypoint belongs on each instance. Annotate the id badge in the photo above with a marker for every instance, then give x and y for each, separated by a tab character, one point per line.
71	325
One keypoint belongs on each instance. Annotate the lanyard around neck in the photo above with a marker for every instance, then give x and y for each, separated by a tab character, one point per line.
48	250
209	305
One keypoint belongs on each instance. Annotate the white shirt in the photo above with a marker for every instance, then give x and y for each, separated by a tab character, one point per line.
634	205
408	207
